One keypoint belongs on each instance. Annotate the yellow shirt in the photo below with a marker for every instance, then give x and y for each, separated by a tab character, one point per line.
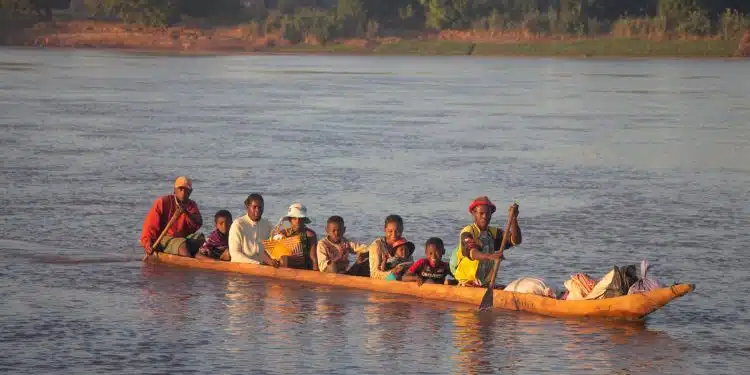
470	271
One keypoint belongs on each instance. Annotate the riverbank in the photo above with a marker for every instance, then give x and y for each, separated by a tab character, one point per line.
245	40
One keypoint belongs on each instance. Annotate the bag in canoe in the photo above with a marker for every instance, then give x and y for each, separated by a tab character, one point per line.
615	283
531	285
644	284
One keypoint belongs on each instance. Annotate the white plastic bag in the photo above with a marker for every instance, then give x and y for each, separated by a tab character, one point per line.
531	285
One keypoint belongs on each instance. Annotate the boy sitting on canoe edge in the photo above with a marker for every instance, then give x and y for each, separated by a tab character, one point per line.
217	243
334	249
431	269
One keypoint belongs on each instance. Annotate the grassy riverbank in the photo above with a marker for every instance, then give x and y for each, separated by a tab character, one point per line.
602	47
239	40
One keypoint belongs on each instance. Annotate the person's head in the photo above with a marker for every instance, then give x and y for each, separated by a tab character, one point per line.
393	228
297	216
183	187
403	248
434	249
223	219
481	208
335	228
254	204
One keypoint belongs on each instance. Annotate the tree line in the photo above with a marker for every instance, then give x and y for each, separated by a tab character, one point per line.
327	19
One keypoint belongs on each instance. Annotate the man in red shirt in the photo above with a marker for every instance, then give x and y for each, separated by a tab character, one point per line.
182	238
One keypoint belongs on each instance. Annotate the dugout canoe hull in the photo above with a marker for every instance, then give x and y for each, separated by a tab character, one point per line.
630	307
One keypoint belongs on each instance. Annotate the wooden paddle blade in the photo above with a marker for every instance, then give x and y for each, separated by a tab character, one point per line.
488	301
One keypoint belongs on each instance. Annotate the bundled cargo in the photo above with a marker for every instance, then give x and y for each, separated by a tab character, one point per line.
644	284
531	285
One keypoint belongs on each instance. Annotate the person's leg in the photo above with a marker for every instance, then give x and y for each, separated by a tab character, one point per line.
296	263
331	268
225	256
183	251
359	269
175	246
193	242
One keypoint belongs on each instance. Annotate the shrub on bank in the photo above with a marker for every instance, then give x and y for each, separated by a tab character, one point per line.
732	24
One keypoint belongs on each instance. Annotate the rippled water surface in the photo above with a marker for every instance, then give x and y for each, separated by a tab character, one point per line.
612	162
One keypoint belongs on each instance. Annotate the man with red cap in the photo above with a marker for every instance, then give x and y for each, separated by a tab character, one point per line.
182	237
479	243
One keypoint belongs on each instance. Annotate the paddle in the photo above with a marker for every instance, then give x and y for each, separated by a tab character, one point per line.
488	299
164	232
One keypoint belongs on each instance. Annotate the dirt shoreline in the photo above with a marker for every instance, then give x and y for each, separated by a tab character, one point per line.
241	40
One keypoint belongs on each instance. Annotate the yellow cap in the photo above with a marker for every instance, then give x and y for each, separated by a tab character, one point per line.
183	181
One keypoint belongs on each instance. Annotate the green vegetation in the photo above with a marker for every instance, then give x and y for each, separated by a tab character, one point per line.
357	18
656	27
41	8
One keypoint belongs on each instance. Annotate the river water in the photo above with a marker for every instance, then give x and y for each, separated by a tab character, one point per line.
612	162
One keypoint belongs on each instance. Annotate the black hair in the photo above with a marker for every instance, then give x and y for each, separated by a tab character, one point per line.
394	219
335	219
437	242
223	213
254	197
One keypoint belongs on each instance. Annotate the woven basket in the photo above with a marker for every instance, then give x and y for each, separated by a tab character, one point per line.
290	246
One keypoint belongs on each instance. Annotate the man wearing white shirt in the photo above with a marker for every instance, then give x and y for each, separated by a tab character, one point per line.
247	233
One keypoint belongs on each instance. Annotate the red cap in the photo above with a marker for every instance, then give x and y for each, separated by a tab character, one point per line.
482	201
401	242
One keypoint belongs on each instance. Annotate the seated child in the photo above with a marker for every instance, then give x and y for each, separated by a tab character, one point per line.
430	269
398	261
334	249
217	243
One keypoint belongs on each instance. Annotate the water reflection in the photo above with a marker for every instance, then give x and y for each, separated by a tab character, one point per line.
330	329
320	328
377	319
167	293
168	301
481	348
243	305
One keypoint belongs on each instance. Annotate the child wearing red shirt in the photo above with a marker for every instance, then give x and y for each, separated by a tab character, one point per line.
431	269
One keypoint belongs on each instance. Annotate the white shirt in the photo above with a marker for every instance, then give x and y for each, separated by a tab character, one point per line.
246	239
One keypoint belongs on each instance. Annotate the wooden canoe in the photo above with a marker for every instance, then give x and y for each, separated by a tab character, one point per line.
630	307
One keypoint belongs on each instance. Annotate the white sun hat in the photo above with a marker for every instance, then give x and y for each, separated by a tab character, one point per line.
297	210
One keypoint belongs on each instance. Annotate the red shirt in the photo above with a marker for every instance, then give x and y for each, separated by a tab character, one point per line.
423	269
159	215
